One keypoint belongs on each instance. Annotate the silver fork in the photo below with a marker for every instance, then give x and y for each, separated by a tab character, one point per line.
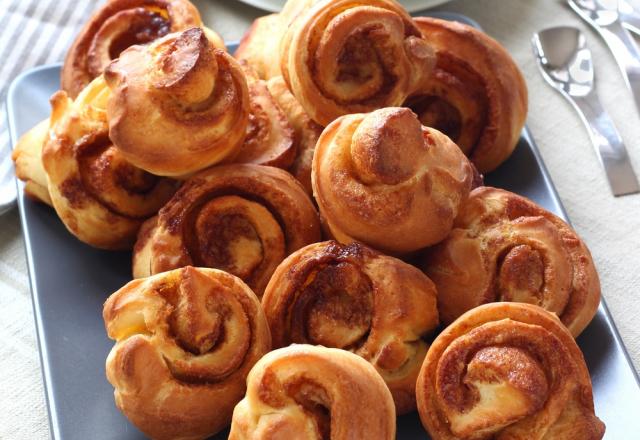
566	64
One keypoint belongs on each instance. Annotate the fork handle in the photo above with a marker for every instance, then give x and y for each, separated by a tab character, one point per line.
608	144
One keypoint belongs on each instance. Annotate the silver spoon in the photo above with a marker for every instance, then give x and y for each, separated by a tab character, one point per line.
566	64
605	18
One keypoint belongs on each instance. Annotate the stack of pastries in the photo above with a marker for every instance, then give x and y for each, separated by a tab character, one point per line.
314	250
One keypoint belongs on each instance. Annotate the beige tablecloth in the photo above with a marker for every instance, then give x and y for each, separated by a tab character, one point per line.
610	226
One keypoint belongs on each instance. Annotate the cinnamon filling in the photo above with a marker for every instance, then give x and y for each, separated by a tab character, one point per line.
334	308
437	113
144	27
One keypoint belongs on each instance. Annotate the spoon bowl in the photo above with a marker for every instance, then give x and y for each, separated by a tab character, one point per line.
565	60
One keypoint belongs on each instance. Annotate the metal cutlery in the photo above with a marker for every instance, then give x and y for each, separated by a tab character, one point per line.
629	16
566	64
605	19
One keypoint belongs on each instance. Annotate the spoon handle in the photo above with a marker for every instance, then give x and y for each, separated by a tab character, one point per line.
608	144
627	55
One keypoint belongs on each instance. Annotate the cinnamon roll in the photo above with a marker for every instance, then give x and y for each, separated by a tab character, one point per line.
270	137
306	132
27	156
310	392
504	247
185	342
354	298
344	56
244	219
101	198
177	105
261	43
476	94
119	24
387	181
507	370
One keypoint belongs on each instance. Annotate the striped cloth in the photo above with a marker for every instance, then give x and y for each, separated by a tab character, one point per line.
32	32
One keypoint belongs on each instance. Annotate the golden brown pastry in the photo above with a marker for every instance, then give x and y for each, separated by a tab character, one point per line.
476	95
178	105
354	298
185	342
244	219
270	137
306	132
119	24
504	247
353	56
507	371
313	393
101	197
27	156
260	45
387	181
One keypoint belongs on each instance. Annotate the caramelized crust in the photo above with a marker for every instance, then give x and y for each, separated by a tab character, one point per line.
345	56
244	219
504	247
27	156
354	298
383	179
507	370
310	392
185	342
306	132
119	24
476	95
270	138
101	197
178	105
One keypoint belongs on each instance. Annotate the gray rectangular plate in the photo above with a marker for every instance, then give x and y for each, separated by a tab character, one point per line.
70	281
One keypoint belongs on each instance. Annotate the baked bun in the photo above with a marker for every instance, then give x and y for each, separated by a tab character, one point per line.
270	137
185	342
306	132
101	197
504	247
354	298
244	219
387	181
309	392
344	56
506	370
27	156
119	24
178	105
476	94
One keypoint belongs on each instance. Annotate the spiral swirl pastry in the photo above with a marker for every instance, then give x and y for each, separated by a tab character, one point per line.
507	371
345	56
306	132
262	40
27	157
311	392
119	24
504	247
244	219
354	298
101	197
178	105
185	342
270	138
476	94
384	180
